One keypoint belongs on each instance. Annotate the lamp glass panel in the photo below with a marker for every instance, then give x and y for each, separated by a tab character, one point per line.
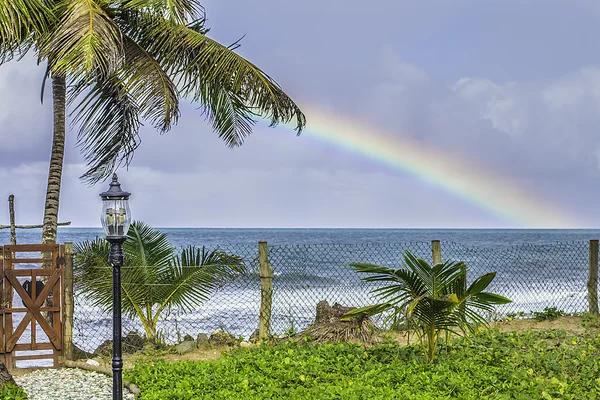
116	217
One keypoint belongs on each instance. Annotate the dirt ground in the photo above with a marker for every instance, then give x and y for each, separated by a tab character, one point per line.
572	325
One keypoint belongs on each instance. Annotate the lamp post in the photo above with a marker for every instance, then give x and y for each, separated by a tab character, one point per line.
116	218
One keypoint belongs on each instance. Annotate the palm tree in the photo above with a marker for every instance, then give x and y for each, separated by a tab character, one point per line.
119	63
433	299
156	278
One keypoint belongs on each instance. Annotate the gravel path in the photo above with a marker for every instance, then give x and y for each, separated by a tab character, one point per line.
68	384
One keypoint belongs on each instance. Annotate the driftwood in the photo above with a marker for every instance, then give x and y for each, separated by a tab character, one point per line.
328	326
103	370
13	227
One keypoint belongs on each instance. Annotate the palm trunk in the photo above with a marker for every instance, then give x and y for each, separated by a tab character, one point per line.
50	225
5	376
59	97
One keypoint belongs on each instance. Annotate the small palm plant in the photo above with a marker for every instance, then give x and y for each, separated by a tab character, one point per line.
156	277
433	299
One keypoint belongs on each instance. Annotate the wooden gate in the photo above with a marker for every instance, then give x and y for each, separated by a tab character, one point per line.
25	288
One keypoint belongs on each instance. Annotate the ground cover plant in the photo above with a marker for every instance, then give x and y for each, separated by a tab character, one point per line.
493	365
9	391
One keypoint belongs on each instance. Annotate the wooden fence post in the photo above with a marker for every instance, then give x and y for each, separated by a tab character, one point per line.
436	251
68	302
11	217
592	283
266	291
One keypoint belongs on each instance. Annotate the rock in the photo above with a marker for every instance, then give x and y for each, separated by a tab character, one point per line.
133	343
79	354
104	350
202	341
93	362
254	336
245	344
188	338
221	338
186	346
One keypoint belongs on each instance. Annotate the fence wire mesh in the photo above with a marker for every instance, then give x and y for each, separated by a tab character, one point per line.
533	276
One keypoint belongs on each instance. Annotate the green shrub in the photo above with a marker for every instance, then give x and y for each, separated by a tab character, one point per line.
530	365
12	392
549	314
433	299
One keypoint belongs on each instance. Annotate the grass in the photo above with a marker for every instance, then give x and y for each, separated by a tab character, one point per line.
495	365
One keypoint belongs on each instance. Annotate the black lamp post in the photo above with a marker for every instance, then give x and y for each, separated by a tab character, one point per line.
116	218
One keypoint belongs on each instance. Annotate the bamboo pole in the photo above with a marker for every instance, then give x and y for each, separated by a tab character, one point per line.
592	283
68	302
33	226
436	251
266	292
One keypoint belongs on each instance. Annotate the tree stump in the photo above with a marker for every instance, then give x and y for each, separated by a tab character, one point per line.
328	326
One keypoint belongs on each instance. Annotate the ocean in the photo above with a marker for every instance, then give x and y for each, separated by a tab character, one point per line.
535	269
483	238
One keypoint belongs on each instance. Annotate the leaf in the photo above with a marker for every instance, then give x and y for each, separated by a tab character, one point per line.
492	298
368	310
481	283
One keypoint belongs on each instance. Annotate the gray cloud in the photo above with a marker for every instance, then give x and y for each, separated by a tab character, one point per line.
504	85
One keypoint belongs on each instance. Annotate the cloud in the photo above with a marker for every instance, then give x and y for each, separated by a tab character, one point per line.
23	119
519	99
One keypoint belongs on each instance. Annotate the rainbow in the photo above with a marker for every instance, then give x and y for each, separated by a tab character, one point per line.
493	193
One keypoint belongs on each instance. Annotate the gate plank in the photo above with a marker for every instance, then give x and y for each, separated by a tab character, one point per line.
30	247
33	311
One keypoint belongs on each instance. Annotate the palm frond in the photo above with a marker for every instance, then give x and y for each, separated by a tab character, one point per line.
86	41
92	275
194	274
481	283
150	86
231	90
147	247
108	120
179	11
109	113
19	21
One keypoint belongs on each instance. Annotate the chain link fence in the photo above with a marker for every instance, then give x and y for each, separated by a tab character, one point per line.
533	276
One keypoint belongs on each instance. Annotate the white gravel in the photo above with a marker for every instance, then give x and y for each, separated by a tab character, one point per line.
68	384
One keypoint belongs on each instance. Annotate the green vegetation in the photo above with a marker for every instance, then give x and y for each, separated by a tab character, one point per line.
155	276
8	391
432	299
549	314
494	365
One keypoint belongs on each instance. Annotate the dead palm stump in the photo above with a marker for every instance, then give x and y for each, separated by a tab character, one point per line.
328	326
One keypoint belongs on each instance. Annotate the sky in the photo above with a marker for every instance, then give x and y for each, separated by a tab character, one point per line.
510	90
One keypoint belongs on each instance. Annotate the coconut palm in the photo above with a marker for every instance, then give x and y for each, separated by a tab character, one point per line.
156	277
120	63
433	299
